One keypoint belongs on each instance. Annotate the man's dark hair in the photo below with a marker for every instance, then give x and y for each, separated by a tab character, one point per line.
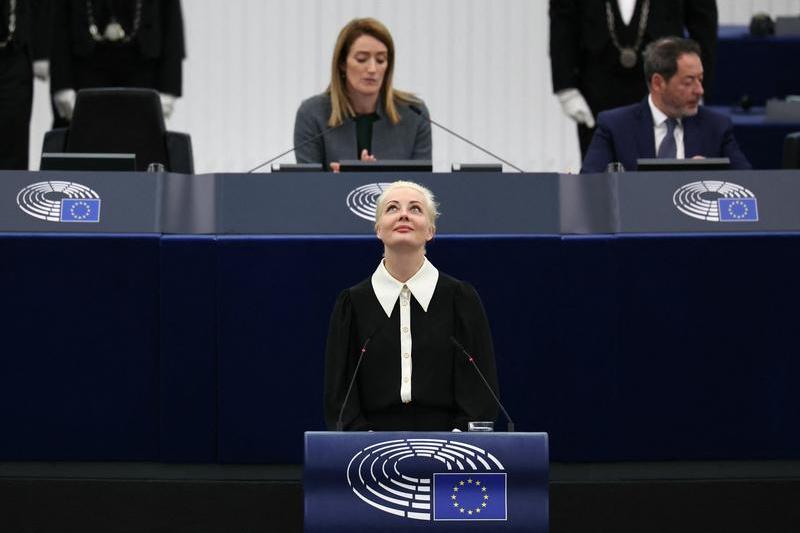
661	56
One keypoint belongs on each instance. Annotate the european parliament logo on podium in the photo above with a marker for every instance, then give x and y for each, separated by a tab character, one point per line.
716	201
60	201
468	483
409	481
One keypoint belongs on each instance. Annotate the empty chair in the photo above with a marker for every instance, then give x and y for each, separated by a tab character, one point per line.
123	120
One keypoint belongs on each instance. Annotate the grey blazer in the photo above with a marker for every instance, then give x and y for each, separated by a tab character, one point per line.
408	139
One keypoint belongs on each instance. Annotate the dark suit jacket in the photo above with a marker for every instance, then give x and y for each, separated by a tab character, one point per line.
160	38
583	56
408	139
626	134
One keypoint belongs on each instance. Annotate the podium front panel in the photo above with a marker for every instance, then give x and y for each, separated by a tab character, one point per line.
404	481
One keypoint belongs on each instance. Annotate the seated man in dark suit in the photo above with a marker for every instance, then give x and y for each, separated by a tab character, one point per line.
670	122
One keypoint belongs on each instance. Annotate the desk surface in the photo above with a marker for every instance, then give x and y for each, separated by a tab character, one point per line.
323	204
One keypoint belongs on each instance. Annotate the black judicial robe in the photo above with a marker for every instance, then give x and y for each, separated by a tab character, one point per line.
446	392
31	42
153	59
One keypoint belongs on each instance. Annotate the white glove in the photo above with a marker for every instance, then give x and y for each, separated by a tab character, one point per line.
167	104
65	103
575	107
41	69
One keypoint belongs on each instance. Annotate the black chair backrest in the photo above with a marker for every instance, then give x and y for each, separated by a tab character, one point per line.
791	150
120	120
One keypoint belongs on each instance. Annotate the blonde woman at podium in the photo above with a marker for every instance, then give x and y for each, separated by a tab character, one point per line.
361	115
407	324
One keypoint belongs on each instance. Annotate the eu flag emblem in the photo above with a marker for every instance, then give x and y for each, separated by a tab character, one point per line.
738	210
80	210
469	496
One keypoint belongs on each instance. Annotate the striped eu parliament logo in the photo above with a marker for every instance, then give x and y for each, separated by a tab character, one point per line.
80	210
738	210
469	496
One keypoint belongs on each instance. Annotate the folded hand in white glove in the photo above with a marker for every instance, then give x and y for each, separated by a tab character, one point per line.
575	107
41	69
167	104
64	101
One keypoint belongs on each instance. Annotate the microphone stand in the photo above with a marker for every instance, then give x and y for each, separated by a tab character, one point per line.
478	370
419	112
293	148
339	423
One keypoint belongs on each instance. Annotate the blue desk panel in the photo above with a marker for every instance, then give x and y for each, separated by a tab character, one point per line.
79	365
188	365
759	67
205	349
683	348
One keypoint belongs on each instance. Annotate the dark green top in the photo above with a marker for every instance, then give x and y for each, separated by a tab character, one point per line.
364	132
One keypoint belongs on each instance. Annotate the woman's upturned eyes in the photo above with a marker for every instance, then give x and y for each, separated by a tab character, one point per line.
413	209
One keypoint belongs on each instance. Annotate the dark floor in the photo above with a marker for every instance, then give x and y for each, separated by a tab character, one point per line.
730	497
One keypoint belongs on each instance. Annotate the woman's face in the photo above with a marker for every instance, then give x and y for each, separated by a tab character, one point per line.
404	222
365	66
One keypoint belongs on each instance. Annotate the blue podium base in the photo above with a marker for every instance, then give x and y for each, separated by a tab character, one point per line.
403	481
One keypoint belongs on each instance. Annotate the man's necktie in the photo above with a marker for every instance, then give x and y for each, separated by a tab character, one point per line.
668	149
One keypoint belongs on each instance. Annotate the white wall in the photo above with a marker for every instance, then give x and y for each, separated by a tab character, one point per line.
481	65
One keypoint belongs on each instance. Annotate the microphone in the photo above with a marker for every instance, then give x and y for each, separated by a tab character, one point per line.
419	112
339	424
293	148
489	387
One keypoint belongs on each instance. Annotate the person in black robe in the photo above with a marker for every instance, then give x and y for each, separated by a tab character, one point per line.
115	43
24	47
412	376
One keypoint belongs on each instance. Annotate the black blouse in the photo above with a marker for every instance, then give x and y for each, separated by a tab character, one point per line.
446	391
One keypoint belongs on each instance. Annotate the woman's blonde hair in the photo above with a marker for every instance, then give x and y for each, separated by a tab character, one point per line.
431	207
341	107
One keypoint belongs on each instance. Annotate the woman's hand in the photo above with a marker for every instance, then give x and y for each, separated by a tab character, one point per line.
365	156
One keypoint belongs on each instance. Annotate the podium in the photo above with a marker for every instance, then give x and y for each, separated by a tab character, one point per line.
431	481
